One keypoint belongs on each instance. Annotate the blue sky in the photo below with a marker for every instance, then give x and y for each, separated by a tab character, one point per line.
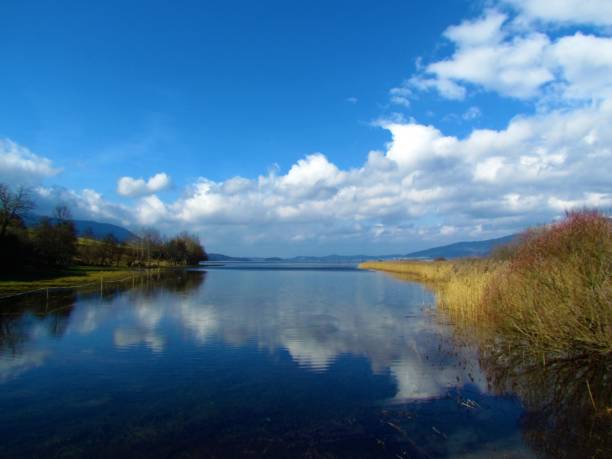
406	124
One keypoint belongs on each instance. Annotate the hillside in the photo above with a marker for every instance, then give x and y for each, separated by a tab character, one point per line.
463	249
98	229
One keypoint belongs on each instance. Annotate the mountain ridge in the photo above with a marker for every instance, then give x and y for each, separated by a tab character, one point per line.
98	229
455	250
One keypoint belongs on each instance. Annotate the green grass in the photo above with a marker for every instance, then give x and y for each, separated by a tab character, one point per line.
74	276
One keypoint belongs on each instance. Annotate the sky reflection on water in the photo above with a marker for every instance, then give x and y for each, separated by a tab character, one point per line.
249	358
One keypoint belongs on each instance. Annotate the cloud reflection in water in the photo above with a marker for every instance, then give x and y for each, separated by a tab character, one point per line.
316	320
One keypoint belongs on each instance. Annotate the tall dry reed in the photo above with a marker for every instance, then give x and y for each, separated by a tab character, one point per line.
549	294
555	294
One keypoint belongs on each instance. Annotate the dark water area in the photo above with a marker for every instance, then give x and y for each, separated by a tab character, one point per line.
252	360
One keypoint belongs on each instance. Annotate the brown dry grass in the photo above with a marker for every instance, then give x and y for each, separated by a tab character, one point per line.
549	295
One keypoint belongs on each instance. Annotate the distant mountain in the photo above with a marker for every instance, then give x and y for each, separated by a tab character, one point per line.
463	249
456	250
336	258
300	259
98	229
221	257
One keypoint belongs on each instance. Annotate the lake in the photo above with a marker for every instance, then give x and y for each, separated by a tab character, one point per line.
248	360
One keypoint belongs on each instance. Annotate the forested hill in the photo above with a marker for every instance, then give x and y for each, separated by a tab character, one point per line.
96	229
463	249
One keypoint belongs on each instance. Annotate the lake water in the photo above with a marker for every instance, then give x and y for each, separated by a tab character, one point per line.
247	360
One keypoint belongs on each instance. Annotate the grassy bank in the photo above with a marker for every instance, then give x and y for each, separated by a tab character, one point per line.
548	297
70	277
459	285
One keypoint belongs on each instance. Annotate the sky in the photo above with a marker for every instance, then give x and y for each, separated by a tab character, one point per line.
277	128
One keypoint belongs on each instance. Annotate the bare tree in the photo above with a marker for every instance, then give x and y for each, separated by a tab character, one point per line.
13	205
62	213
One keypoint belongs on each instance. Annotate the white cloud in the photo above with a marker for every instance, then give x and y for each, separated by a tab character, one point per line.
484	31
585	65
87	204
471	113
415	143
512	66
314	170
489	169
426	186
151	210
446	87
401	95
128	186
595	12
19	166
601	200
496	53
502	179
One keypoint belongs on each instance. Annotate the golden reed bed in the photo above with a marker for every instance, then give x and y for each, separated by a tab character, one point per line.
549	294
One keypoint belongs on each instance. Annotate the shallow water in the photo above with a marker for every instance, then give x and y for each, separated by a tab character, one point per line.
247	360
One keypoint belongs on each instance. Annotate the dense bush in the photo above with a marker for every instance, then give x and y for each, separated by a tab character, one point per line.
555	294
49	245
148	250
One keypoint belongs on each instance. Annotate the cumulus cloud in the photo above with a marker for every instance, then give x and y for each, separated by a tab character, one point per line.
534	168
486	56
86	203
128	186
19	166
595	12
151	210
425	185
496	53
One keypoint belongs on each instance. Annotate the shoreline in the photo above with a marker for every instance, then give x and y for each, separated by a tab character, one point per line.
75	277
570	347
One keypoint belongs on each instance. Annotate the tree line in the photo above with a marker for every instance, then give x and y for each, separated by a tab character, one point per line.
149	249
52	243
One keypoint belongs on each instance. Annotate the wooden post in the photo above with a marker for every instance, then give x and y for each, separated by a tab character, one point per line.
101	285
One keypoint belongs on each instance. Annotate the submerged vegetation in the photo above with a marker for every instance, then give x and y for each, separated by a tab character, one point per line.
543	301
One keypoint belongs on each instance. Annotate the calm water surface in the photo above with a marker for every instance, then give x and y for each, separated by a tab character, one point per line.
247	360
